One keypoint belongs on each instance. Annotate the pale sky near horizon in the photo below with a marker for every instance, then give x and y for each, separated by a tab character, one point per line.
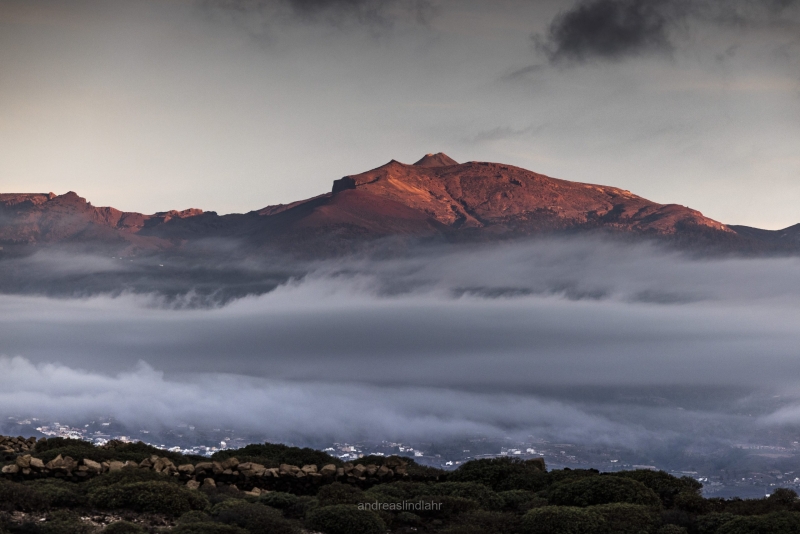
232	105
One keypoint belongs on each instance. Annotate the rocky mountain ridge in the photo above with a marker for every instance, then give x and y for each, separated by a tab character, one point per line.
435	198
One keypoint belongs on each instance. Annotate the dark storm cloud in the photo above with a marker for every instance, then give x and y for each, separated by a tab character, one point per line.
612	30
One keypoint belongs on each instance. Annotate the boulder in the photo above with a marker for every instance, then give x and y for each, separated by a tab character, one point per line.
255	492
115	465
12	469
308	469
359	470
23	461
230	463
193	484
187	469
286	469
250	469
36	463
92	466
209	483
384	471
372	469
163	465
204	466
328	470
55	463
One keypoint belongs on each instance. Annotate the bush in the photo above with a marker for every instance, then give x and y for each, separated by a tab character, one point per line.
691	502
562	520
671	529
58	493
485	522
279	500
623	518
255	518
338	493
24	498
272	455
485	497
195	516
666	486
776	522
710	523
128	476
123	527
151	496
502	474
602	490
345	519
518	500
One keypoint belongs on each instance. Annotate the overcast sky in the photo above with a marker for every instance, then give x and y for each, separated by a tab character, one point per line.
231	105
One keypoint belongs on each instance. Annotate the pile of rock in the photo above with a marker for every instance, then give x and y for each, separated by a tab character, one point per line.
11	445
256	478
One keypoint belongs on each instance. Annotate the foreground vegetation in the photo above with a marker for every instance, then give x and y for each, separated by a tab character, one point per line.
499	496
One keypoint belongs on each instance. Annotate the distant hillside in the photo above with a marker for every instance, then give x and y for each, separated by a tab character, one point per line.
435	198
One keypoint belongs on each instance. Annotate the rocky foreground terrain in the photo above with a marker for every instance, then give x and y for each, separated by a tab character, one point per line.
435	199
59	485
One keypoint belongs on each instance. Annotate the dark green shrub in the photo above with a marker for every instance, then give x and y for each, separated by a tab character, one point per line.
278	499
691	502
501	474
517	500
123	527
484	496
666	486
195	516
783	497
58	493
601	490
562	520
225	504
776	522
151	496
338	493
272	455
408	519
485	522
128	476
621	518
49	444
255	518
21	497
710	523
444	506
671	529
345	519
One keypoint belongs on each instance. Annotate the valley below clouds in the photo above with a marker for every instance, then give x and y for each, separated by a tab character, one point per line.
591	341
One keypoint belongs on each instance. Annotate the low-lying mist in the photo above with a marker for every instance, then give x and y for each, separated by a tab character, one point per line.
585	340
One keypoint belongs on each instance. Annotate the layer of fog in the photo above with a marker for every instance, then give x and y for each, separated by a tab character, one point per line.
585	340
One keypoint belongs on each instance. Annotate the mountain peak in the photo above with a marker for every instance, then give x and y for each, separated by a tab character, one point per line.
439	159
